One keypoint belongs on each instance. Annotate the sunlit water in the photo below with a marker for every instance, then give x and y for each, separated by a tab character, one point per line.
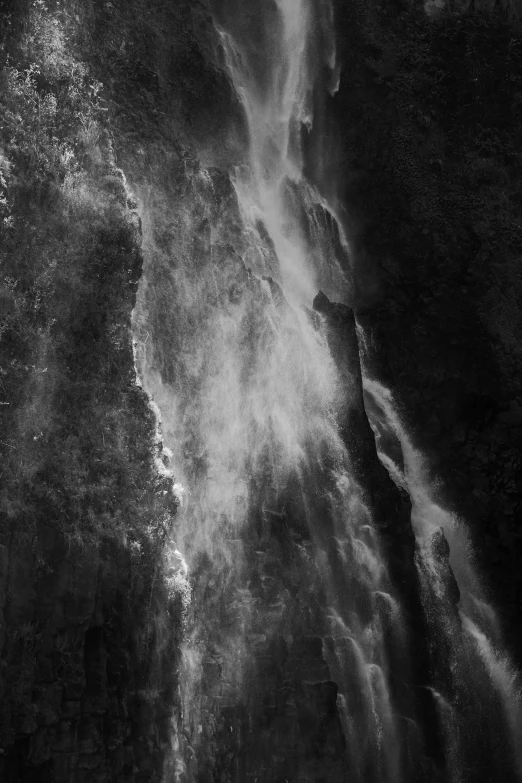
274	534
278	104
251	419
478	673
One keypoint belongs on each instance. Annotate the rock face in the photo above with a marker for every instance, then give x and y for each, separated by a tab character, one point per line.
86	679
90	621
435	245
391	511
440	549
67	680
390	506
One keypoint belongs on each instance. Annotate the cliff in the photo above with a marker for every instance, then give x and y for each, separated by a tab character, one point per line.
117	130
90	615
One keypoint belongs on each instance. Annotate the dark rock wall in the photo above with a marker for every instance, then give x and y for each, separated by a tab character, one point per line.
428	113
77	693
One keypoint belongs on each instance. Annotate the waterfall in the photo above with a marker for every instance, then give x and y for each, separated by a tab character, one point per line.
305	654
294	622
277	99
478	677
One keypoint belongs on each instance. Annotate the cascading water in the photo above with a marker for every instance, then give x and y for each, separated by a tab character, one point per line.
482	707
277	95
296	659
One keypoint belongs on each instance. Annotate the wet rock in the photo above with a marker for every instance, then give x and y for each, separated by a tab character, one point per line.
391	509
441	553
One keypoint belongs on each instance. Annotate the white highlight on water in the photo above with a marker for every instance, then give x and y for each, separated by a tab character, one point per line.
262	410
478	618
276	113
273	402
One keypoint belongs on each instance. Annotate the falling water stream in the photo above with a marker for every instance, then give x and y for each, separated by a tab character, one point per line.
480	684
290	578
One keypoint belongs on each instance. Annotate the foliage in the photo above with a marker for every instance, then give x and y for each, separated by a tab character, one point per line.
78	440
77	432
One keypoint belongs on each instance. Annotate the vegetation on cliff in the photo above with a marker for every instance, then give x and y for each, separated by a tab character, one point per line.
90	618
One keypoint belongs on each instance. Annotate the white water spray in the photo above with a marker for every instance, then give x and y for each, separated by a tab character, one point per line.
478	618
250	413
273	191
250	398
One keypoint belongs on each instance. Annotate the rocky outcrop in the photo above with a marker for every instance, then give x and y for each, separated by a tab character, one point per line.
440	552
391	510
390	506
